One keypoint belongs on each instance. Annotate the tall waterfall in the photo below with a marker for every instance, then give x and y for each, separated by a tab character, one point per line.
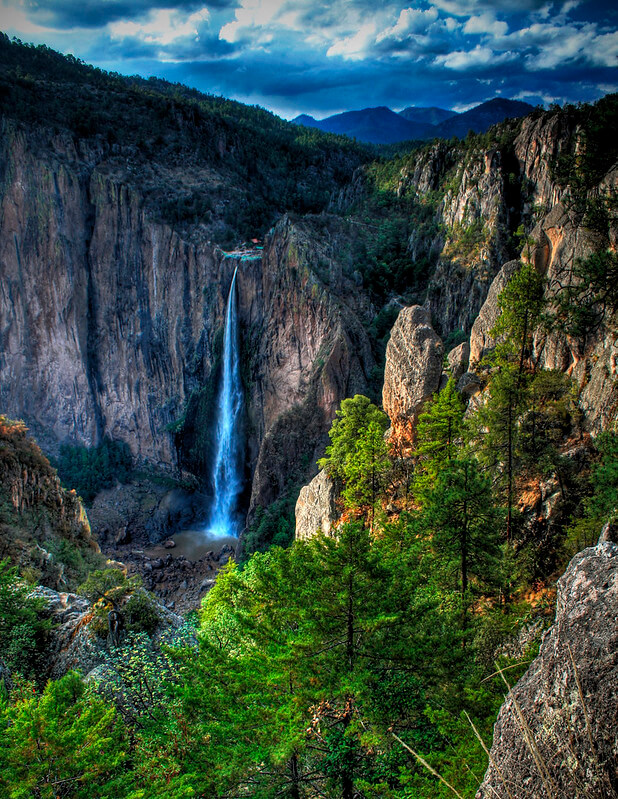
226	474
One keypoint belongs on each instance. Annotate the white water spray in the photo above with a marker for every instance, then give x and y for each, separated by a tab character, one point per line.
226	475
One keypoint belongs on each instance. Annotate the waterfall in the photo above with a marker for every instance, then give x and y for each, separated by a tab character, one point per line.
226	474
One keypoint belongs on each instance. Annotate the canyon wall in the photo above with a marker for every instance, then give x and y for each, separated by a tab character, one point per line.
110	319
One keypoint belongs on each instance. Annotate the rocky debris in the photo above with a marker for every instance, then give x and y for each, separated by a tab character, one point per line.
315	507
177	579
169	543
469	384
481	341
413	369
556	732
458	360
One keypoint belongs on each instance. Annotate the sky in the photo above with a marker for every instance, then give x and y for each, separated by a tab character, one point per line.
302	56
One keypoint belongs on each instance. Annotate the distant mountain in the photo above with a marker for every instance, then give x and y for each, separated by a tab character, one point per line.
382	126
377	125
482	117
306	120
431	115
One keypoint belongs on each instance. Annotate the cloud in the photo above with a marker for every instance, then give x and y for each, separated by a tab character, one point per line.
67	14
479	57
354	47
162	27
486	23
411	20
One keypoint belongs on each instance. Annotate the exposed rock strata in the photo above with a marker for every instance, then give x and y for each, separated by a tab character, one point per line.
413	370
556	733
315	508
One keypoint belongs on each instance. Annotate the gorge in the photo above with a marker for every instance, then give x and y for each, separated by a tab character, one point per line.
198	305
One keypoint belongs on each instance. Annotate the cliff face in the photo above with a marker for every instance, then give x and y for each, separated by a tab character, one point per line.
555	734
43	528
109	319
486	191
103	313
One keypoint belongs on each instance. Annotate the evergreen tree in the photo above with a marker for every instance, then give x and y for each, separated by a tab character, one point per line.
464	527
439	434
62	743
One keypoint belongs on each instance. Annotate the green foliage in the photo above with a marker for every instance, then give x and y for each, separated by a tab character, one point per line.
89	470
590	299
141	612
137	679
353	417
272	526
109	590
521	303
62	743
439	433
464	525
22	624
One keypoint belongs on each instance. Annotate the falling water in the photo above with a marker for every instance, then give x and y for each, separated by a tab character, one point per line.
226	475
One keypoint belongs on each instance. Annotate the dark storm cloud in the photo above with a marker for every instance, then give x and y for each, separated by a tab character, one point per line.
97	13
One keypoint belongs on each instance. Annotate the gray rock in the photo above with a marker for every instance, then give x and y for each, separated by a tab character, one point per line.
481	341
458	360
315	507
413	369
566	745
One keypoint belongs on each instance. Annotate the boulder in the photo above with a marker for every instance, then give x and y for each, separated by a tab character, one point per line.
315	507
413	369
556	732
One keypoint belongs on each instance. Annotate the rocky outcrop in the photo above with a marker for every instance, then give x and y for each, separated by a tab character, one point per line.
458	360
413	370
481	342
44	528
73	644
556	733
315	508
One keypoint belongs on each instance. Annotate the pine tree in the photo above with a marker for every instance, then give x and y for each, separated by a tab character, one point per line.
439	436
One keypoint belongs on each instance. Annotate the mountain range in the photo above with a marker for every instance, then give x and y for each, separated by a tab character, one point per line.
381	125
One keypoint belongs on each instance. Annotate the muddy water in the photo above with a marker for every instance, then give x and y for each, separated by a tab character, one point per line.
193	545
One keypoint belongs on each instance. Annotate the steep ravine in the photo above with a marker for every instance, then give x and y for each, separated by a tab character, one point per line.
110	320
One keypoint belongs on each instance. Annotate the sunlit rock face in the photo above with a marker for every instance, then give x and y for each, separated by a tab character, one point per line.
414	357
556	732
315	508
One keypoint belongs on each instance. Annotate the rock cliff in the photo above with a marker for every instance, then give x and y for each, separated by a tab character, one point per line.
315	508
43	529
110	319
413	370
556	733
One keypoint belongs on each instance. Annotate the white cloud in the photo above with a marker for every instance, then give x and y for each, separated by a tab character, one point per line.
162	27
486	23
252	14
411	20
462	60
354	47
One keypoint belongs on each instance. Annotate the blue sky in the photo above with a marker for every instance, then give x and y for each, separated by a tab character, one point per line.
299	56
